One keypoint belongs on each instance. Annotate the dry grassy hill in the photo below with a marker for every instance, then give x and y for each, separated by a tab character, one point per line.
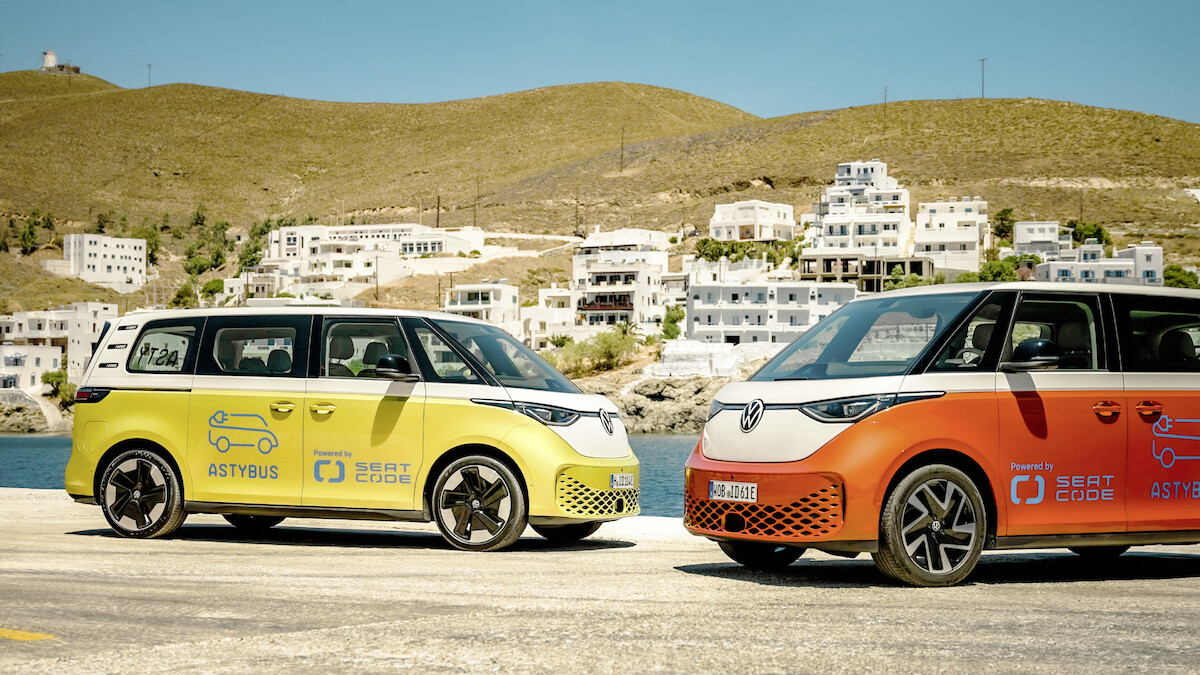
547	159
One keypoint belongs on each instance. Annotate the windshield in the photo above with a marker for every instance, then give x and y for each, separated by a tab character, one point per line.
867	338
513	364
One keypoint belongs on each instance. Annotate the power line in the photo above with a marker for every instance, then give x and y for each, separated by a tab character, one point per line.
982	64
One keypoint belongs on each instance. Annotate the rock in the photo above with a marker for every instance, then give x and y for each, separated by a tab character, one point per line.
658	406
20	418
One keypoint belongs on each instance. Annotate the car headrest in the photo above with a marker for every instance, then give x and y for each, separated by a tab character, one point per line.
341	347
982	335
1073	337
226	353
374	351
1176	345
279	361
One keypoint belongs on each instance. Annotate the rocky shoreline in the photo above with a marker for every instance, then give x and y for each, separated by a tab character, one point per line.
21	413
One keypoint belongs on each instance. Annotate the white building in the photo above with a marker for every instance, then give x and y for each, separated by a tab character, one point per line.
1044	238
1137	264
74	329
554	314
113	262
760	311
618	277
498	303
403	239
752	220
865	211
22	366
953	233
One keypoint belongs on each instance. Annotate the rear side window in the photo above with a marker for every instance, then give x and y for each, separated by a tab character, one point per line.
166	346
352	348
1071	323
1158	334
264	346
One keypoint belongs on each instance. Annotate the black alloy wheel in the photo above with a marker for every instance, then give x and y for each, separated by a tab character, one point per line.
140	495
479	504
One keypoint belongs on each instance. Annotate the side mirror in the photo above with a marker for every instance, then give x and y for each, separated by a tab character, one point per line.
396	367
1035	354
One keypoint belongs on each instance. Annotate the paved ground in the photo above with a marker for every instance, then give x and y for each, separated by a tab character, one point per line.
641	596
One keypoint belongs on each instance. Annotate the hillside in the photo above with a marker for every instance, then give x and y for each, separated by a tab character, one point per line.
548	159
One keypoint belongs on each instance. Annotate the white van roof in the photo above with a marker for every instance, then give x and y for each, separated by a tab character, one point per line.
1041	286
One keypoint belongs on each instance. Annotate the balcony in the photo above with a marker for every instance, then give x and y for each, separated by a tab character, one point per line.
606	306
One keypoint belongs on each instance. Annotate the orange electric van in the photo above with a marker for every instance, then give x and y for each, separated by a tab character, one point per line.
926	425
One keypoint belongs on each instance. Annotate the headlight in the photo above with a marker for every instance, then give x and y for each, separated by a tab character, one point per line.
717	407
546	414
549	415
854	409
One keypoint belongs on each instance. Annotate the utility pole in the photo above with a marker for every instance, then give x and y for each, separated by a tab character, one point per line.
622	149
438	221
982	67
475	208
148	66
420	211
885	108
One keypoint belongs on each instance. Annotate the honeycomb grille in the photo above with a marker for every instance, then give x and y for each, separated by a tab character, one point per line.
816	515
578	499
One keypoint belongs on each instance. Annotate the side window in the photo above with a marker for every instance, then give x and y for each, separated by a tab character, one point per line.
446	364
165	347
1072	324
966	350
1158	334
352	348
263	346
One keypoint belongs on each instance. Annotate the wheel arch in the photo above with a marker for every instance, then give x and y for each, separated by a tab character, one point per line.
466	450
136	444
962	462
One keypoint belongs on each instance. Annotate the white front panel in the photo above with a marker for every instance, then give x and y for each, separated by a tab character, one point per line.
587	435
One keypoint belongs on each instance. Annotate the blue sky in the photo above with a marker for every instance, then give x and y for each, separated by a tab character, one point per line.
767	58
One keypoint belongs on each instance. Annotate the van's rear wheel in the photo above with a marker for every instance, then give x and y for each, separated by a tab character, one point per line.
761	555
140	495
932	528
479	504
252	523
564	534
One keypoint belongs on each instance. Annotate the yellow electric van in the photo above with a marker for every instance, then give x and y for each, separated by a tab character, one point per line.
262	414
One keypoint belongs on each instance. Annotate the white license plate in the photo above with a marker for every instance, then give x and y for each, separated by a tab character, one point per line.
621	480
730	491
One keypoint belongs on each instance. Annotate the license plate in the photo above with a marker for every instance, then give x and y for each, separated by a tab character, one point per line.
621	480
730	491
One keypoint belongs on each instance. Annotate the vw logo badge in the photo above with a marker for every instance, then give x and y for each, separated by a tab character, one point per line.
751	415
606	422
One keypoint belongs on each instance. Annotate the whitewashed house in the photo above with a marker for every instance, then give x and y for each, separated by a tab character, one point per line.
496	302
118	263
1044	238
1138	264
752	220
865	211
73	329
953	233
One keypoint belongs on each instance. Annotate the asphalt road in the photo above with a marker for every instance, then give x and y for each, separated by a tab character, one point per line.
641	595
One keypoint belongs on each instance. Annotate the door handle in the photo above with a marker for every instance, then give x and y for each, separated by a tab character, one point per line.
1149	408
322	408
1106	408
283	406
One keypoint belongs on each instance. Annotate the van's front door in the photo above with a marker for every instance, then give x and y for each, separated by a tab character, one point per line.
1062	431
245	424
362	432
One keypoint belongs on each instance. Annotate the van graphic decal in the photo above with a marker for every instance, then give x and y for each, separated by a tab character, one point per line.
237	430
1169	455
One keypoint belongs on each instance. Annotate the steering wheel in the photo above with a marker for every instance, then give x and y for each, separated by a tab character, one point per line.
970	356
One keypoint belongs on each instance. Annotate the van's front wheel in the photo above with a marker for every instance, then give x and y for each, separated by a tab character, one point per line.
932	528
479	504
140	495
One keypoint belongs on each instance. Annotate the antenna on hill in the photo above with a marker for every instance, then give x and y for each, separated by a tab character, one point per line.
885	108
982	66
148	66
622	149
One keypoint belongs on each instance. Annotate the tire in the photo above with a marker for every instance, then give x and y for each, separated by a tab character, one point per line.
932	528
1098	552
140	495
565	534
761	555
252	523
479	504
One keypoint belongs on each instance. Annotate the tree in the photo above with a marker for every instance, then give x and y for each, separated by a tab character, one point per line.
185	297
198	217
1081	232
674	315
28	238
149	231
212	287
1177	277
1002	224
561	341
103	221
997	270
56	379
